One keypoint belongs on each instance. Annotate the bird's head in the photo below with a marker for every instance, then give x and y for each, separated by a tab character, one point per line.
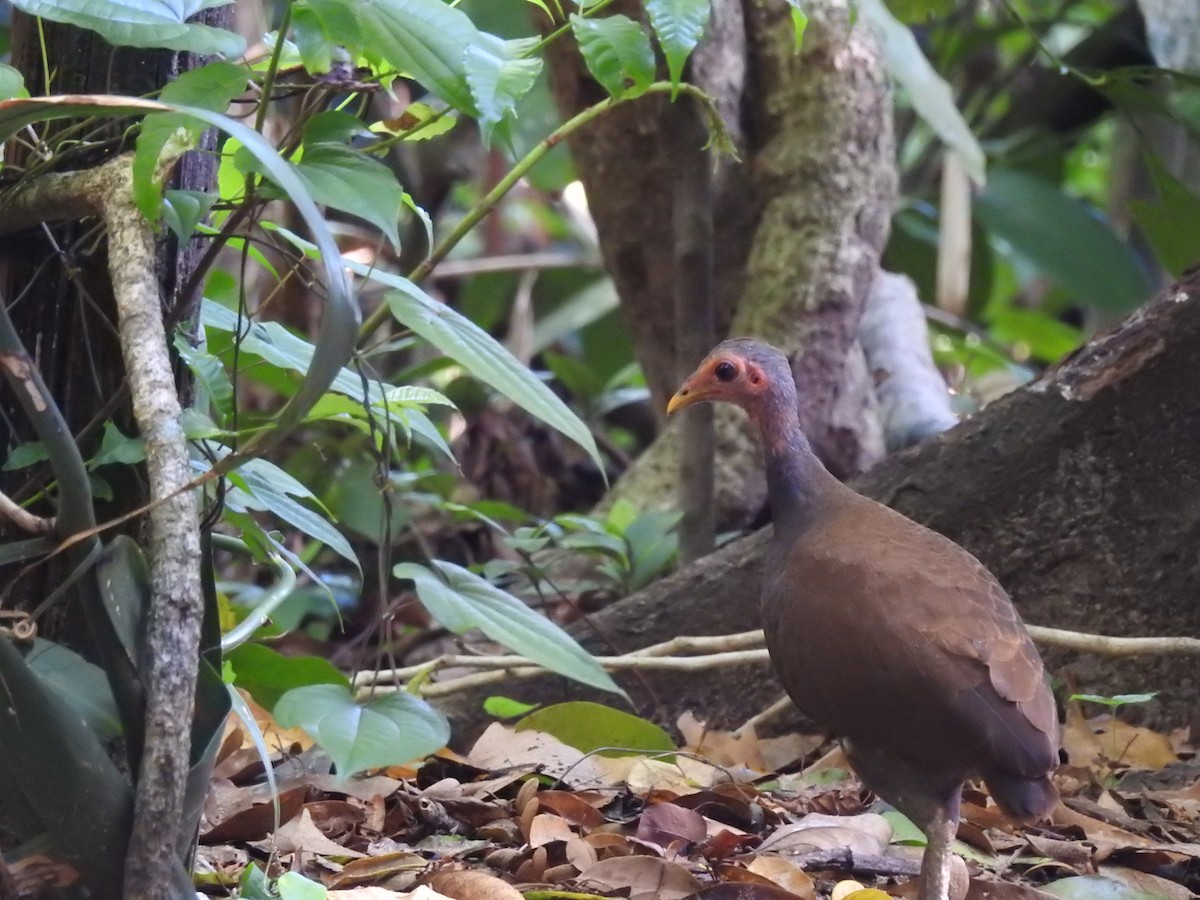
741	371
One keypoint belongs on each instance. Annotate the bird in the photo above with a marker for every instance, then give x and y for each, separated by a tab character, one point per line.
886	633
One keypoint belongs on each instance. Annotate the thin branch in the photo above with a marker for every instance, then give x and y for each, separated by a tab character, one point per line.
743	648
1112	647
23	518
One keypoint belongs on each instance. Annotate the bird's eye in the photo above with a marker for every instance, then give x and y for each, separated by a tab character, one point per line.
725	371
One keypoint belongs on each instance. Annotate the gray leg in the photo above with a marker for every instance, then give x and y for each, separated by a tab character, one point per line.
938	865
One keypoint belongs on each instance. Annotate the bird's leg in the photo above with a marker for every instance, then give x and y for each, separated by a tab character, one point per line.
937	866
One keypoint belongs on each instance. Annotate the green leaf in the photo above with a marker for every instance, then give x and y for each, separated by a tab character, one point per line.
141	23
12	83
799	22
164	136
679	25
617	53
1117	699
388	730
928	92
78	683
477	351
214	387
116	447
268	675
506	707
460	600
590	726
337	20
1172	225
184	210
349	180
24	455
1065	238
498	75
294	886
411	123
313	45
426	38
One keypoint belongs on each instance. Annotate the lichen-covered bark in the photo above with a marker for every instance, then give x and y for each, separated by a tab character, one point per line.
1080	492
819	152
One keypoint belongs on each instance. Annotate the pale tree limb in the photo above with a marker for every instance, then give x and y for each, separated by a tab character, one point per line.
172	638
739	649
23	518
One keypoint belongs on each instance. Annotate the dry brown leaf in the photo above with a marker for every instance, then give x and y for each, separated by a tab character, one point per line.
663	823
1150	884
867	833
646	878
377	868
785	874
580	853
1104	741
571	807
545	828
301	833
1002	890
726	748
500	747
468	884
743	891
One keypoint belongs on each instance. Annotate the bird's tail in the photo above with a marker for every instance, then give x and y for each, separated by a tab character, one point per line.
1020	796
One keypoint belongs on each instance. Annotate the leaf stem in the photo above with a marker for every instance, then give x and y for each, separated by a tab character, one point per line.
269	76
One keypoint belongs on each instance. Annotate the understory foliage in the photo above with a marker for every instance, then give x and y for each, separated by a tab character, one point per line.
339	466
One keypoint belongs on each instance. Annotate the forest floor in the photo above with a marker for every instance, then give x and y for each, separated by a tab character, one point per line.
724	816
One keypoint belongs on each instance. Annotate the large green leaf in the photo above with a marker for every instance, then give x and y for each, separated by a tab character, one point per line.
1063	237
928	92
268	675
485	358
461	600
617	53
12	83
349	180
210	87
499	75
141	23
428	39
679	25
1172	225
384	731
78	683
591	726
62	769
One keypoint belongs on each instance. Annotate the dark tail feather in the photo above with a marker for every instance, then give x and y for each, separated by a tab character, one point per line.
1020	797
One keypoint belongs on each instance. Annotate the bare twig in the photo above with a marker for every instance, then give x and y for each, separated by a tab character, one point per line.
23	518
743	648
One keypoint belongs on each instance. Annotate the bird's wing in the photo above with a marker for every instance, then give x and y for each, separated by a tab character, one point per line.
920	640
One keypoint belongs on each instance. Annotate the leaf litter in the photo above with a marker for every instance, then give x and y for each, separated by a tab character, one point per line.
723	816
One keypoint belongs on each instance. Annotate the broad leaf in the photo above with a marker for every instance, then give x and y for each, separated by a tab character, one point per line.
140	23
426	38
591	726
78	683
1063	237
460	600
679	25
12	83
164	136
214	388
499	75
1172	225
617	52
268	675
349	180
476	350
389	730
928	92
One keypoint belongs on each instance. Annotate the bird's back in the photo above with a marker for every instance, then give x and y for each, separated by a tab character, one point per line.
891	635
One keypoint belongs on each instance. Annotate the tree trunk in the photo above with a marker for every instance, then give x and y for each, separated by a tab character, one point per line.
58	289
798	226
1081	492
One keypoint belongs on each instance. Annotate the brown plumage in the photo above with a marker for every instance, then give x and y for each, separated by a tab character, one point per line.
886	633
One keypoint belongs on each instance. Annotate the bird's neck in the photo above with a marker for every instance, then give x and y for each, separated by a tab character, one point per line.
798	484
